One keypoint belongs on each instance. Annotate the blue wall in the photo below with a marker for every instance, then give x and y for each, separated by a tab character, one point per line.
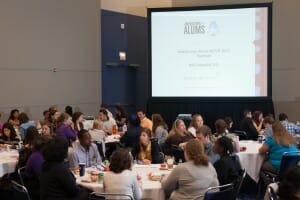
122	83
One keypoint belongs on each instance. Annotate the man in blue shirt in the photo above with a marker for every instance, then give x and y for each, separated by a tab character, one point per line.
86	152
290	127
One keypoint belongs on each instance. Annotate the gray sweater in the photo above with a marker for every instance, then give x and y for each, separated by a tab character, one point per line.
189	181
122	183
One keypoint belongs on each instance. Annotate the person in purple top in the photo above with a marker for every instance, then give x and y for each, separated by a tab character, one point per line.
65	128
33	167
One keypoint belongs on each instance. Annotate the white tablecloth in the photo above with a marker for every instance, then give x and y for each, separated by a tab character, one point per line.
112	138
151	189
8	161
251	159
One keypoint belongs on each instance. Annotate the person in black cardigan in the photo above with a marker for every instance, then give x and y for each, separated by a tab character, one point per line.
147	150
57	181
225	168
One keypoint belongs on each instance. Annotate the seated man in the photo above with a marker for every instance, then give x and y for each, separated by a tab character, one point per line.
145	122
290	127
203	134
86	152
107	122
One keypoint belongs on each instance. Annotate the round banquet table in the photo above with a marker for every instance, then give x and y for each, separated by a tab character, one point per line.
251	159
8	161
150	189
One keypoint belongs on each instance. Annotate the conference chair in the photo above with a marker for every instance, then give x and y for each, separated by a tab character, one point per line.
178	153
242	134
19	191
220	193
239	182
108	196
21	173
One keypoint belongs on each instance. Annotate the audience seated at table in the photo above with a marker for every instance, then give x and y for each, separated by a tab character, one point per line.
86	152
275	146
54	115
203	135
66	129
191	179
197	122
290	127
105	107
147	151
247	126
258	120
8	135
177	136
145	122
221	127
46	129
97	134
225	168
69	110
121	179
25	123
289	187
229	123
33	167
267	123
121	116
132	136
13	118
57	181
46	115
160	129
28	143
77	119
108	122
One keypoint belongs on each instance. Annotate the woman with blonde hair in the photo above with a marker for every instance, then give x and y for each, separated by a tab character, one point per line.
178	135
279	143
191	179
196	123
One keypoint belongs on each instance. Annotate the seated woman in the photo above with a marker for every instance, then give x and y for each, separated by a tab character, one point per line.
226	170
178	135
221	127
147	151
33	167
258	119
46	129
196	123
121	179
279	143
160	129
57	181
66	129
191	179
132	135
14	118
25	123
9	135
77	119
289	187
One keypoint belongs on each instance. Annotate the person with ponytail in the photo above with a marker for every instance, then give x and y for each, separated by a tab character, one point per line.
226	170
191	179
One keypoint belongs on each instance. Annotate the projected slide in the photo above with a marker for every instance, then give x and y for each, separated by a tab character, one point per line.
209	53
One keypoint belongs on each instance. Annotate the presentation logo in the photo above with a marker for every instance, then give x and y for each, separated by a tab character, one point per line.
194	28
213	28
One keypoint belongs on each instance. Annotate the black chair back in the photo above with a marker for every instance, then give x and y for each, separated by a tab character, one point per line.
239	182
178	153
242	134
221	192
20	191
288	160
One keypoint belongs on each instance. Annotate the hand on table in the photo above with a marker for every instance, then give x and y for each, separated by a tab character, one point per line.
146	162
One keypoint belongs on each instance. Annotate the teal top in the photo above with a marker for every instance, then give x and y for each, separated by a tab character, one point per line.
276	151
